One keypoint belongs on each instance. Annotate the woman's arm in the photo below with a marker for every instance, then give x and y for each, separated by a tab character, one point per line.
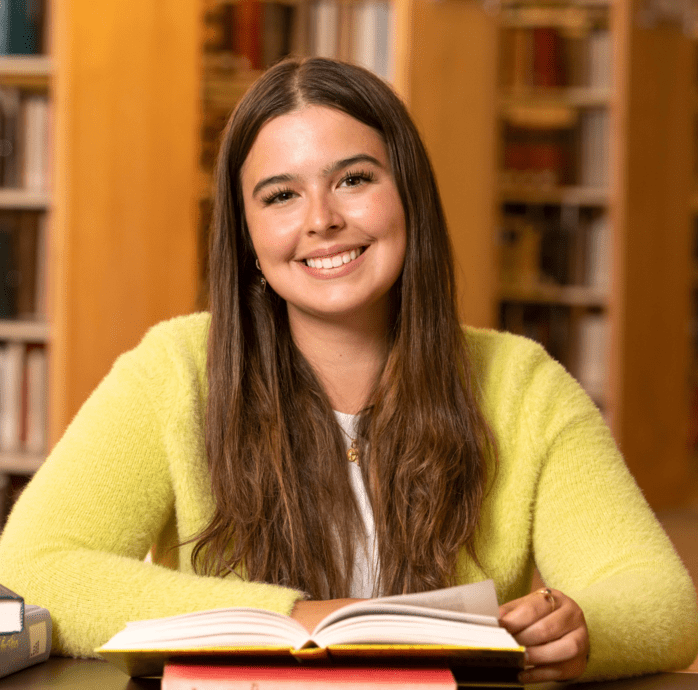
596	540
76	540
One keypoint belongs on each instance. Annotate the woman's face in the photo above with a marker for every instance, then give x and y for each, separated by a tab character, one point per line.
324	214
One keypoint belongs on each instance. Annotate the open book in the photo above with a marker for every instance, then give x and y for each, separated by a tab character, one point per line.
457	623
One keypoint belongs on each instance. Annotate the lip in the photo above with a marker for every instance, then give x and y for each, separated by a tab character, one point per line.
332	273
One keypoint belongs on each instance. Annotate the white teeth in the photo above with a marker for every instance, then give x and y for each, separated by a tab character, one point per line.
335	261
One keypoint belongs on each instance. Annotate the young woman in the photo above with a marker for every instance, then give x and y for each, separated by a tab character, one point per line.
330	431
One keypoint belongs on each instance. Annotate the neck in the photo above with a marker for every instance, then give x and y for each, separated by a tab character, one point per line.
348	357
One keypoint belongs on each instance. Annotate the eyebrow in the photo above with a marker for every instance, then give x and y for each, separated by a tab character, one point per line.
329	170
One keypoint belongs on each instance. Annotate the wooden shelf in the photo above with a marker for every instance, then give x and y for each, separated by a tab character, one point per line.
564	295
24	331
27	71
544	98
557	4
591	197
24	199
565	14
20	462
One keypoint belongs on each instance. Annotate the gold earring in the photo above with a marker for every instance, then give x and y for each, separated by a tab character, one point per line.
262	280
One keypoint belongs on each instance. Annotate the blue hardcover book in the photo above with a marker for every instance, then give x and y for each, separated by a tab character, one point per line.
20	28
31	646
11	611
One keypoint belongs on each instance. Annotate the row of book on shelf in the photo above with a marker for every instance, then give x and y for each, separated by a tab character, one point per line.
548	245
260	33
24	139
23	397
572	150
550	57
544	251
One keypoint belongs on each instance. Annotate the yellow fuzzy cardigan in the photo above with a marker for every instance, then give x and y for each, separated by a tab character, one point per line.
131	473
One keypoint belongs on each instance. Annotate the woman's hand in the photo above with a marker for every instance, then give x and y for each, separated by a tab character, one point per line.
310	613
552	628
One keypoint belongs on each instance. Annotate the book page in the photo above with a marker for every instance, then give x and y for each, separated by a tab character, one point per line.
474	603
214	628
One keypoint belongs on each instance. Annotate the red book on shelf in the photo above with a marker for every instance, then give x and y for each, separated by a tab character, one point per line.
249	17
548	66
202	676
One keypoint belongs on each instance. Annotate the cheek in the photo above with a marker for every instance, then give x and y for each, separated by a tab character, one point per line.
272	238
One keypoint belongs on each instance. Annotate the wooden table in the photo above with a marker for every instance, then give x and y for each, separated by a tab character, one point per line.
88	674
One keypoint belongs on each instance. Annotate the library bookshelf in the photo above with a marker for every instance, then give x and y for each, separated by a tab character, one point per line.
24	206
624	334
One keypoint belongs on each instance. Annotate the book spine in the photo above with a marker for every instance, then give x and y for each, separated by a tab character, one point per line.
8	293
11	403
23	31
326	28
31	646
9	144
4	28
36	400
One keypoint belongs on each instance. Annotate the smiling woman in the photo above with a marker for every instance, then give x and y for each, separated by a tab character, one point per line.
331	431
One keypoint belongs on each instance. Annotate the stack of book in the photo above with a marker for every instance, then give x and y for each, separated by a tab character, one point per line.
25	633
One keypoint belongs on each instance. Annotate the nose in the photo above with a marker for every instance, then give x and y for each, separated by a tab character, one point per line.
323	214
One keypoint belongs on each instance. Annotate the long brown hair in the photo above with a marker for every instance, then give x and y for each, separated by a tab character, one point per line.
285	511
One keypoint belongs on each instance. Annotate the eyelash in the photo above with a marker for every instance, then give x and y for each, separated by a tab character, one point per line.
364	175
274	196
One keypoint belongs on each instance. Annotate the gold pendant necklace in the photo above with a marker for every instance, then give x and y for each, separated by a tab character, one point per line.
353	452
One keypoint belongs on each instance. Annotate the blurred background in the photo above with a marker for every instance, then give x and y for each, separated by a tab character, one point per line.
563	134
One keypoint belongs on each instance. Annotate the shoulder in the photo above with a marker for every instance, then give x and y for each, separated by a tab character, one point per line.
503	357
519	382
171	352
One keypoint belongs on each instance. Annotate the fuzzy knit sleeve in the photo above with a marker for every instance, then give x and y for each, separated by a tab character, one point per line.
76	540
588	527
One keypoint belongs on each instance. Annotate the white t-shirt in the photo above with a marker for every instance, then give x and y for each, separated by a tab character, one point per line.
366	552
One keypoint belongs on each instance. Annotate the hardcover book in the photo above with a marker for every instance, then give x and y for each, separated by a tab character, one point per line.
192	676
457	626
30	646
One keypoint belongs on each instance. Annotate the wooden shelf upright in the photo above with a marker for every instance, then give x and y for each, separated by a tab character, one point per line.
127	78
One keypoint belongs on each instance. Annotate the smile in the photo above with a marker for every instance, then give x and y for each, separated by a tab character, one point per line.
336	260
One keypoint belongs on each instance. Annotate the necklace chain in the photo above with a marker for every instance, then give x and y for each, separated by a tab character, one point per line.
353	454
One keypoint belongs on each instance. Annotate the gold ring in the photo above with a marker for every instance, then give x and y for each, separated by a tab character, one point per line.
548	594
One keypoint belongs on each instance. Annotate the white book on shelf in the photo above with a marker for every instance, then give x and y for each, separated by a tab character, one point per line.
372	37
35	142
599	58
11	393
594	148
592	349
597	250
35	440
325	32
